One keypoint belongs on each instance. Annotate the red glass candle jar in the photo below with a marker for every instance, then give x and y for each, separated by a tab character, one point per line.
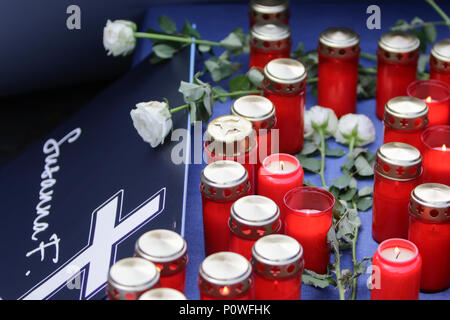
436	95
252	217
398	54
338	70
405	118
233	138
277	262
268	41
279	174
429	229
396	269
225	276
260	111
285	85
163	294
168	251
309	215
268	11
436	155
440	61
223	182
129	278
398	167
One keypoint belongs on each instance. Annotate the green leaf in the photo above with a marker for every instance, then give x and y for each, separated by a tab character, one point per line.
423	62
191	91
217	90
365	191
163	51
364	203
400	25
332	240
311	278
348	195
342	182
256	77
188	30
310	164
363	168
167	25
430	32
309	148
239	83
232	42
336	153
348	165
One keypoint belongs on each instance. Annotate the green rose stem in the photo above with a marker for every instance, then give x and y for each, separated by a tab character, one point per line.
351	146
217	96
439	11
368	56
337	263
154	36
354	261
322	156
312	80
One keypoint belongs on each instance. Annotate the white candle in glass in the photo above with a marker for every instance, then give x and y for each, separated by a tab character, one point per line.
397	254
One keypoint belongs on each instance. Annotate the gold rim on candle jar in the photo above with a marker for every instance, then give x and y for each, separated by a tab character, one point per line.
339	42
162	294
224	180
398	161
398	46
431	201
259	110
131	276
277	256
406	113
253	217
269	10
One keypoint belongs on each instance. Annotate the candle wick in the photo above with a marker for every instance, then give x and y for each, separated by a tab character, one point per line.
396	257
282	165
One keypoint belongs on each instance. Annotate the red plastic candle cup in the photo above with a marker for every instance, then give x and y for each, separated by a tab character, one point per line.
338	70
436	155
277	262
225	276
168	251
396	269
429	229
440	61
309	215
285	85
398	168
252	217
397	56
260	111
268	11
163	294
222	183
405	118
436	95
268	41
129	278
278	174
233	138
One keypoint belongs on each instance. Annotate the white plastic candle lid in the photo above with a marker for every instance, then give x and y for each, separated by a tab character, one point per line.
135	274
432	195
161	245
399	154
228	129
255	210
285	70
225	268
441	50
162	294
406	107
339	37
399	42
224	173
253	108
269	6
276	249
270	31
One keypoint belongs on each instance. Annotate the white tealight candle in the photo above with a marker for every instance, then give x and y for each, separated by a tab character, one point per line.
397	254
276	166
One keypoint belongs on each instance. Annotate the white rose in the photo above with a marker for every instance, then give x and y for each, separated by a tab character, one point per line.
118	37
320	117
358	126
152	121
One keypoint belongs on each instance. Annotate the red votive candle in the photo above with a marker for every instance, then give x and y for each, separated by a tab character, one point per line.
397	56
309	215
278	174
277	262
429	229
268	41
260	111
129	278
252	217
398	167
405	118
338	69
168	251
225	276
436	95
396	269
163	294
285	85
440	61
233	138
268	11
436	155
223	182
